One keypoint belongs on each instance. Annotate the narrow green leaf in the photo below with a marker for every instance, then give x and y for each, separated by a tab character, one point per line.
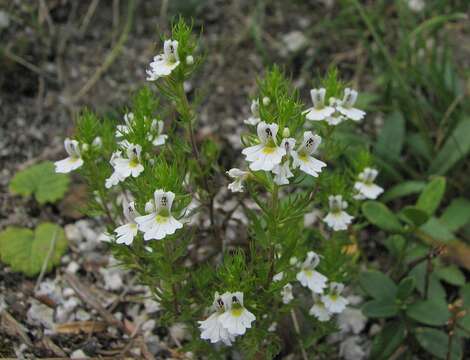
432	194
378	285
455	149
381	216
403	189
457	214
429	312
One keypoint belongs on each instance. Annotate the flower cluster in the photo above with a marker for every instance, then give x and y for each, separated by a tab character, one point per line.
229	319
326	302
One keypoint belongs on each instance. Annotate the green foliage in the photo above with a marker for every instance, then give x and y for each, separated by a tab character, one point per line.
432	195
26	250
377	285
436	343
391	139
429	312
388	340
381	216
42	181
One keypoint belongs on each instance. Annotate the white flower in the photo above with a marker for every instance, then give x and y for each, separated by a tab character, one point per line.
131	165
254	119
310	278
351	320
73	161
97	142
266	101
239	177
125	233
319	111
212	328
159	138
236	318
278	276
282	171
346	108
164	64
272	327
365	185
319	310
335	120
189	60
303	156
333	301
337	218
286	293
121	130
116	177
267	154
416	5
159	223
351	349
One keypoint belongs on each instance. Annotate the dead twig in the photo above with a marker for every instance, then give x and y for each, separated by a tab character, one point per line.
13	328
88	16
110	58
297	330
47	259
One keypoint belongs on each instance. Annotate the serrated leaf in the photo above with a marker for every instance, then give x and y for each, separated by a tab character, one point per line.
436	343
403	189
388	340
413	215
457	214
25	250
391	137
451	274
378	285
42	181
455	149
429	312
382	308
432	195
381	216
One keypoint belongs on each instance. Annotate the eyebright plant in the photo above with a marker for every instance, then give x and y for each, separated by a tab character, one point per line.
155	184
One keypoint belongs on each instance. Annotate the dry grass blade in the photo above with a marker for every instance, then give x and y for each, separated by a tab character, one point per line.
78	327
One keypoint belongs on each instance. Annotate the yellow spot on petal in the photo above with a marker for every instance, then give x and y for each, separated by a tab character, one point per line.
237	312
161	219
133	163
268	150
308	273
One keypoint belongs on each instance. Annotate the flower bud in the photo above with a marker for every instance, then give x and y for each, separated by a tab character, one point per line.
97	142
286	132
85	147
266	101
189	60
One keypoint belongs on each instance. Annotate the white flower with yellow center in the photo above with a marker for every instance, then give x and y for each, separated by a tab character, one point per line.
125	233
239	176
319	309
310	278
157	136
282	171
159	223
130	166
254	119
115	177
337	218
236	318
346	106
73	161
164	64
365	185
334	302
303	156
319	111
266	155
125	128
212	328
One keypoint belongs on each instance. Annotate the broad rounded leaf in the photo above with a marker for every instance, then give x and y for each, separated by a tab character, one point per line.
429	312
382	308
432	194
378	285
25	250
451	274
436	343
388	340
381	216
415	216
457	214
406	287
42	181
403	189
